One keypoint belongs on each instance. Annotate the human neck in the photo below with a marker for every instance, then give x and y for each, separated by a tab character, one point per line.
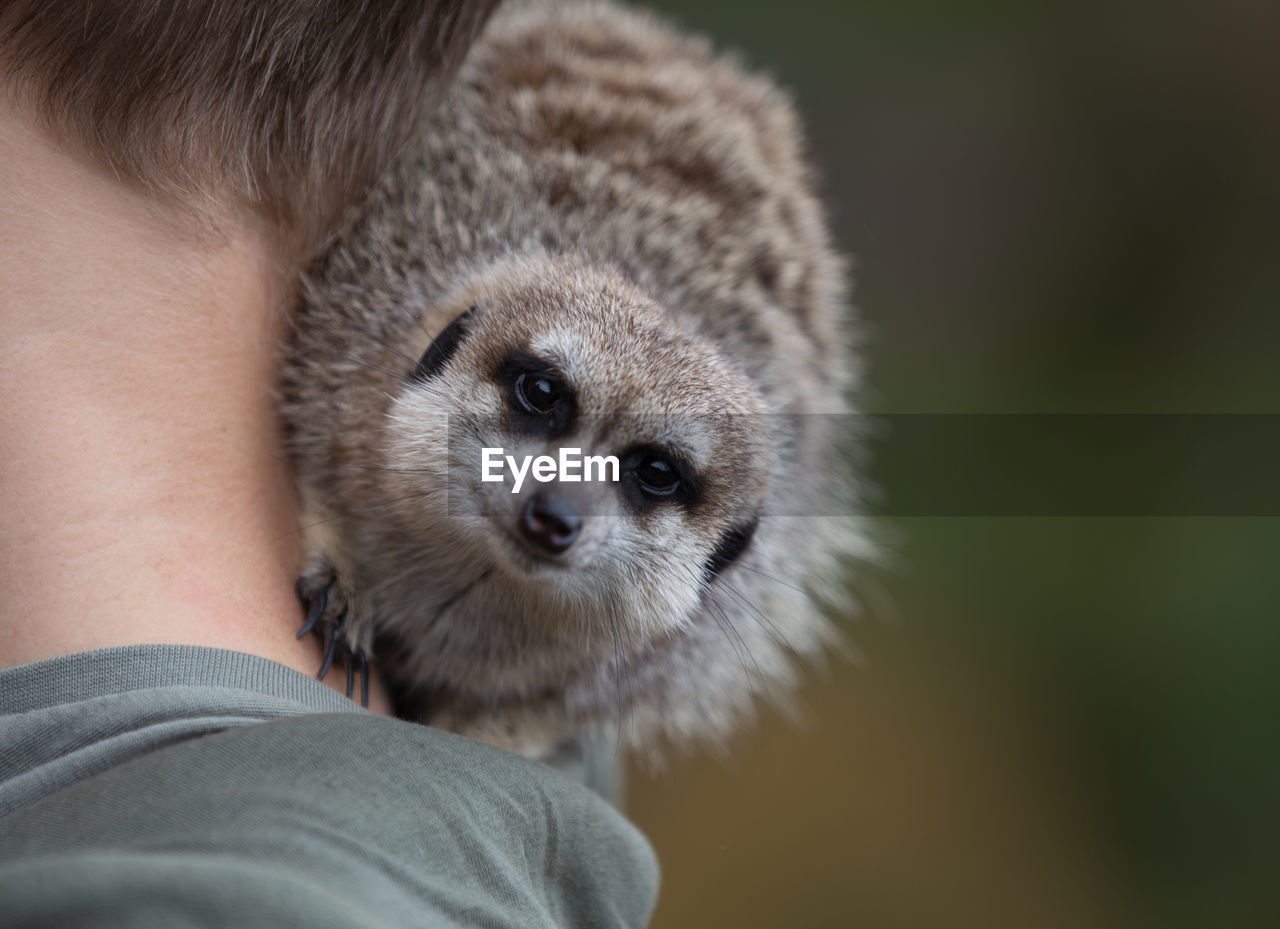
144	497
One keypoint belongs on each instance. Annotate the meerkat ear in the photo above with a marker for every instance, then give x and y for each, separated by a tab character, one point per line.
442	349
733	542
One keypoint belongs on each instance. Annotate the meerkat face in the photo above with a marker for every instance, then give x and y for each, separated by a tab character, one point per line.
574	366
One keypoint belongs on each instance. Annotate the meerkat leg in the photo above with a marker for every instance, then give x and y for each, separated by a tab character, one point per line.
330	614
333	612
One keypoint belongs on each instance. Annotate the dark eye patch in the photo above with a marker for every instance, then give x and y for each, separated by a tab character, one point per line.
443	348
733	542
540	400
652	475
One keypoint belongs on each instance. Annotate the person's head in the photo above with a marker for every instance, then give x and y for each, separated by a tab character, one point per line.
291	107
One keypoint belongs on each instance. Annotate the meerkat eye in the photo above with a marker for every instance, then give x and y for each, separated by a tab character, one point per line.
654	475
657	476
541	401
539	393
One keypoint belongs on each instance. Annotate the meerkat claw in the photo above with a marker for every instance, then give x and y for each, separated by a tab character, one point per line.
333	641
328	614
316	605
354	656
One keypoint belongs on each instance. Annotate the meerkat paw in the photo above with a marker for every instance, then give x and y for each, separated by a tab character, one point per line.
328	604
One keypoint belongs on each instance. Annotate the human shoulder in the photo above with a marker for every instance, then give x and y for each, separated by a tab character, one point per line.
327	819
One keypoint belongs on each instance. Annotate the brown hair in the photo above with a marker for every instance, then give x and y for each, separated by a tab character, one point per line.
293	106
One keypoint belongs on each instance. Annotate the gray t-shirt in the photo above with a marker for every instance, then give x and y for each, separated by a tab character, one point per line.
182	786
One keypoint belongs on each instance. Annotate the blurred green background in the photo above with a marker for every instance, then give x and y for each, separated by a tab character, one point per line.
1059	721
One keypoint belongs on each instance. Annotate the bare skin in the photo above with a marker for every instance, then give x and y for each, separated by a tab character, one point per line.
144	497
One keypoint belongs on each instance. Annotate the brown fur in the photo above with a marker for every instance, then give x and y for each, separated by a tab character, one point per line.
609	190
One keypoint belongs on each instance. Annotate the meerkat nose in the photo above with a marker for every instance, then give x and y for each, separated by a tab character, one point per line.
550	523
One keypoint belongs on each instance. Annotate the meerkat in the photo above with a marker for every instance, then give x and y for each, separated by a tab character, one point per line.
607	238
